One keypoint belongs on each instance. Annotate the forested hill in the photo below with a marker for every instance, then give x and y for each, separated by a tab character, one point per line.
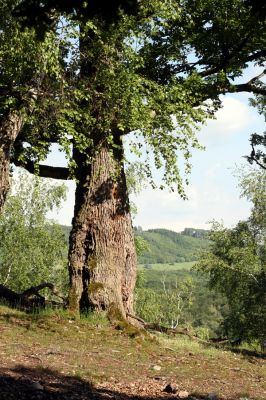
170	247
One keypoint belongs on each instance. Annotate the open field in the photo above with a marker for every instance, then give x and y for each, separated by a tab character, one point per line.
168	267
51	356
154	274
170	247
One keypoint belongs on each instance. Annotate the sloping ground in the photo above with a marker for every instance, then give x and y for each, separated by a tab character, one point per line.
55	357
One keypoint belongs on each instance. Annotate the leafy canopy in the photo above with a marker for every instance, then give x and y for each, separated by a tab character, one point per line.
156	72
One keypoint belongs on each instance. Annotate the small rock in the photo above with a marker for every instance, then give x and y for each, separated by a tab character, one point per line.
157	368
183	394
212	396
36	386
170	388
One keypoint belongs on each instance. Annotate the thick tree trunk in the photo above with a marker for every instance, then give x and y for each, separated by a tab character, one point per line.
10	127
102	258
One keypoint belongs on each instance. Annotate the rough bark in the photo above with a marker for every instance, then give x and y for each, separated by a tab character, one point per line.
102	258
9	129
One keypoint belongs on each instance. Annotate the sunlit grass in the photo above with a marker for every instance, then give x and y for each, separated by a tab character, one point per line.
186	345
169	266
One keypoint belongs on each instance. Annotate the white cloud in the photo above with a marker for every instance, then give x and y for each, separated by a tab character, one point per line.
232	118
211	198
211	172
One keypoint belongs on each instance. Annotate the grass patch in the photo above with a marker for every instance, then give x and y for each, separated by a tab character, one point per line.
186	345
167	267
97	319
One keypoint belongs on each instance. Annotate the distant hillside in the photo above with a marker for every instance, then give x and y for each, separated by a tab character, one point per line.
66	230
171	247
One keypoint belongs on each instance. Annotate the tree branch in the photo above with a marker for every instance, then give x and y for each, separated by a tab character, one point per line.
45	171
255	158
169	331
246	87
249	86
255	56
30	298
34	290
227	59
257	162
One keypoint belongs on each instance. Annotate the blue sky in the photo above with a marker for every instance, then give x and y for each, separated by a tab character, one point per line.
213	191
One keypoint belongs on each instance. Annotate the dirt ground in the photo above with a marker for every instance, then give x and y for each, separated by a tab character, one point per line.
58	358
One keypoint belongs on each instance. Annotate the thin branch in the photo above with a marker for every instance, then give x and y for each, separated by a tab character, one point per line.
243	273
8	274
257	162
256	78
252	158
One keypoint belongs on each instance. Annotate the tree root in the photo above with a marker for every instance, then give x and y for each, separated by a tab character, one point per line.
169	331
220	342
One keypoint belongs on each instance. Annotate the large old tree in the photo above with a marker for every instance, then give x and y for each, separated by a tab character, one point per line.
156	74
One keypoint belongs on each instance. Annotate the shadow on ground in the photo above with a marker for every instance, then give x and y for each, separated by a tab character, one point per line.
23	383
248	353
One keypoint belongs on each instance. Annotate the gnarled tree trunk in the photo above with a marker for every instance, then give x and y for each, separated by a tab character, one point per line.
10	127
102	258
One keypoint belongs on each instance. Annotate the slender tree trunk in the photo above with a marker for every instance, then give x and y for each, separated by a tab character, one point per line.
102	258
10	127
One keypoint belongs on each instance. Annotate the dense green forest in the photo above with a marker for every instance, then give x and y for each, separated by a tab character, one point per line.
176	294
